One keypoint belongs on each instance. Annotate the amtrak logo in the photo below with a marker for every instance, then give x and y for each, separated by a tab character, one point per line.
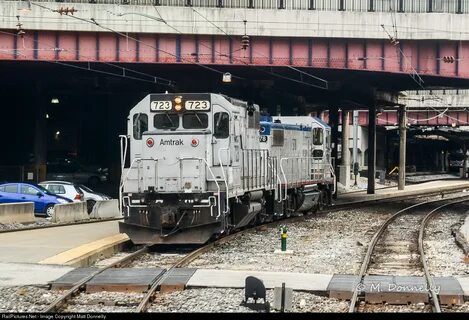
171	142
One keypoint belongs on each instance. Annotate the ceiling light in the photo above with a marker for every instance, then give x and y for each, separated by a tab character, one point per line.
54	100
227	77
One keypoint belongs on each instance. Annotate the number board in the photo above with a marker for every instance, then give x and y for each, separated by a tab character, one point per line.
160	105
197	105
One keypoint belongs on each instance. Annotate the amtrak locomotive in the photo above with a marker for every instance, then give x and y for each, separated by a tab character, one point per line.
202	165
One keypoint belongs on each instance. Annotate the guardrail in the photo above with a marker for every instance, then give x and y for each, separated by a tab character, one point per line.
106	209
70	212
22	212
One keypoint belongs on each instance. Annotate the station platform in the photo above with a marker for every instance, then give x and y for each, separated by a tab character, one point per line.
410	190
42	255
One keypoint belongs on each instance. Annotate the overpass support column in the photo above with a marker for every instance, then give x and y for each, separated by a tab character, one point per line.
345	167
371	149
40	137
402	147
334	123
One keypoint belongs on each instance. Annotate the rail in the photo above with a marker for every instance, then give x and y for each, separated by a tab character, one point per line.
394	6
376	237
62	300
428	277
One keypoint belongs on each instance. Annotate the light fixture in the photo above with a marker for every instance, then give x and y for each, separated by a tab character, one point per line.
54	100
57	133
227	77
47	116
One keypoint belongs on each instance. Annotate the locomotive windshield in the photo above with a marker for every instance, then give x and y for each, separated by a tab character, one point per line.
166	121
195	121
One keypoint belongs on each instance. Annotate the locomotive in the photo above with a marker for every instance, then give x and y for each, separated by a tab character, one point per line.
202	165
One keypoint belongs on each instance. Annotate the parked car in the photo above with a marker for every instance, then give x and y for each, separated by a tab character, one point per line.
65	169
65	189
44	201
75	192
92	196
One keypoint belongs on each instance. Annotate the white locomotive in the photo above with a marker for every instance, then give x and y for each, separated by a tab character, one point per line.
204	164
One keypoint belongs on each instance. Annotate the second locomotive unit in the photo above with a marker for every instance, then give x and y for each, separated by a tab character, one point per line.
204	164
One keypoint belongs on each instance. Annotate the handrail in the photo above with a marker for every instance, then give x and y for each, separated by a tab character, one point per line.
121	185
284	176
224	176
123	139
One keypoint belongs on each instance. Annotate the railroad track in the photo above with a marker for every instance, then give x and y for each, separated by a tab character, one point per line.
383	252
62	301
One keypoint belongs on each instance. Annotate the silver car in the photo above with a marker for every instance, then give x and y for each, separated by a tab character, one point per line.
75	192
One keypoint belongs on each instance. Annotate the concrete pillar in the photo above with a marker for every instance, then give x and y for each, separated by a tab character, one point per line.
334	123
371	149
345	167
402	147
464	151
442	161
40	137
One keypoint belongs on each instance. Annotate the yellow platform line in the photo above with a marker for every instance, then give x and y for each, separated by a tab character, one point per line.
78	255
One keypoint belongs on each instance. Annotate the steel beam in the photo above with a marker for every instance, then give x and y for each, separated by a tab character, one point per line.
371	149
402	147
349	54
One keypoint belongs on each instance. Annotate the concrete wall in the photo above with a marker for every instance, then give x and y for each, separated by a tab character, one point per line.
260	22
17	212
70	212
106	209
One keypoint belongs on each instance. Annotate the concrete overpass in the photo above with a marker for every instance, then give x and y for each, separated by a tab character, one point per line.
391	42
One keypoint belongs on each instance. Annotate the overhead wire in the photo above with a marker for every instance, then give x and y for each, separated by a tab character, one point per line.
272	73
417	79
95	22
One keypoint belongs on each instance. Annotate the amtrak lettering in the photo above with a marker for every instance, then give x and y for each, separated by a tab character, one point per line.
171	142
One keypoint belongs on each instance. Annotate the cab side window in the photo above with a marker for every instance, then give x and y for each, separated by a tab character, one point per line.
318	136
140	125
221	125
278	138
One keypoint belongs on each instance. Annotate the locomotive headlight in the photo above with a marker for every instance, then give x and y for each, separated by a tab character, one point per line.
178	103
178	107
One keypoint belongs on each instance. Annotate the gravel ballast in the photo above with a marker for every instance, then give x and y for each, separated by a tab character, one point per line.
229	300
445	258
327	243
26	298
